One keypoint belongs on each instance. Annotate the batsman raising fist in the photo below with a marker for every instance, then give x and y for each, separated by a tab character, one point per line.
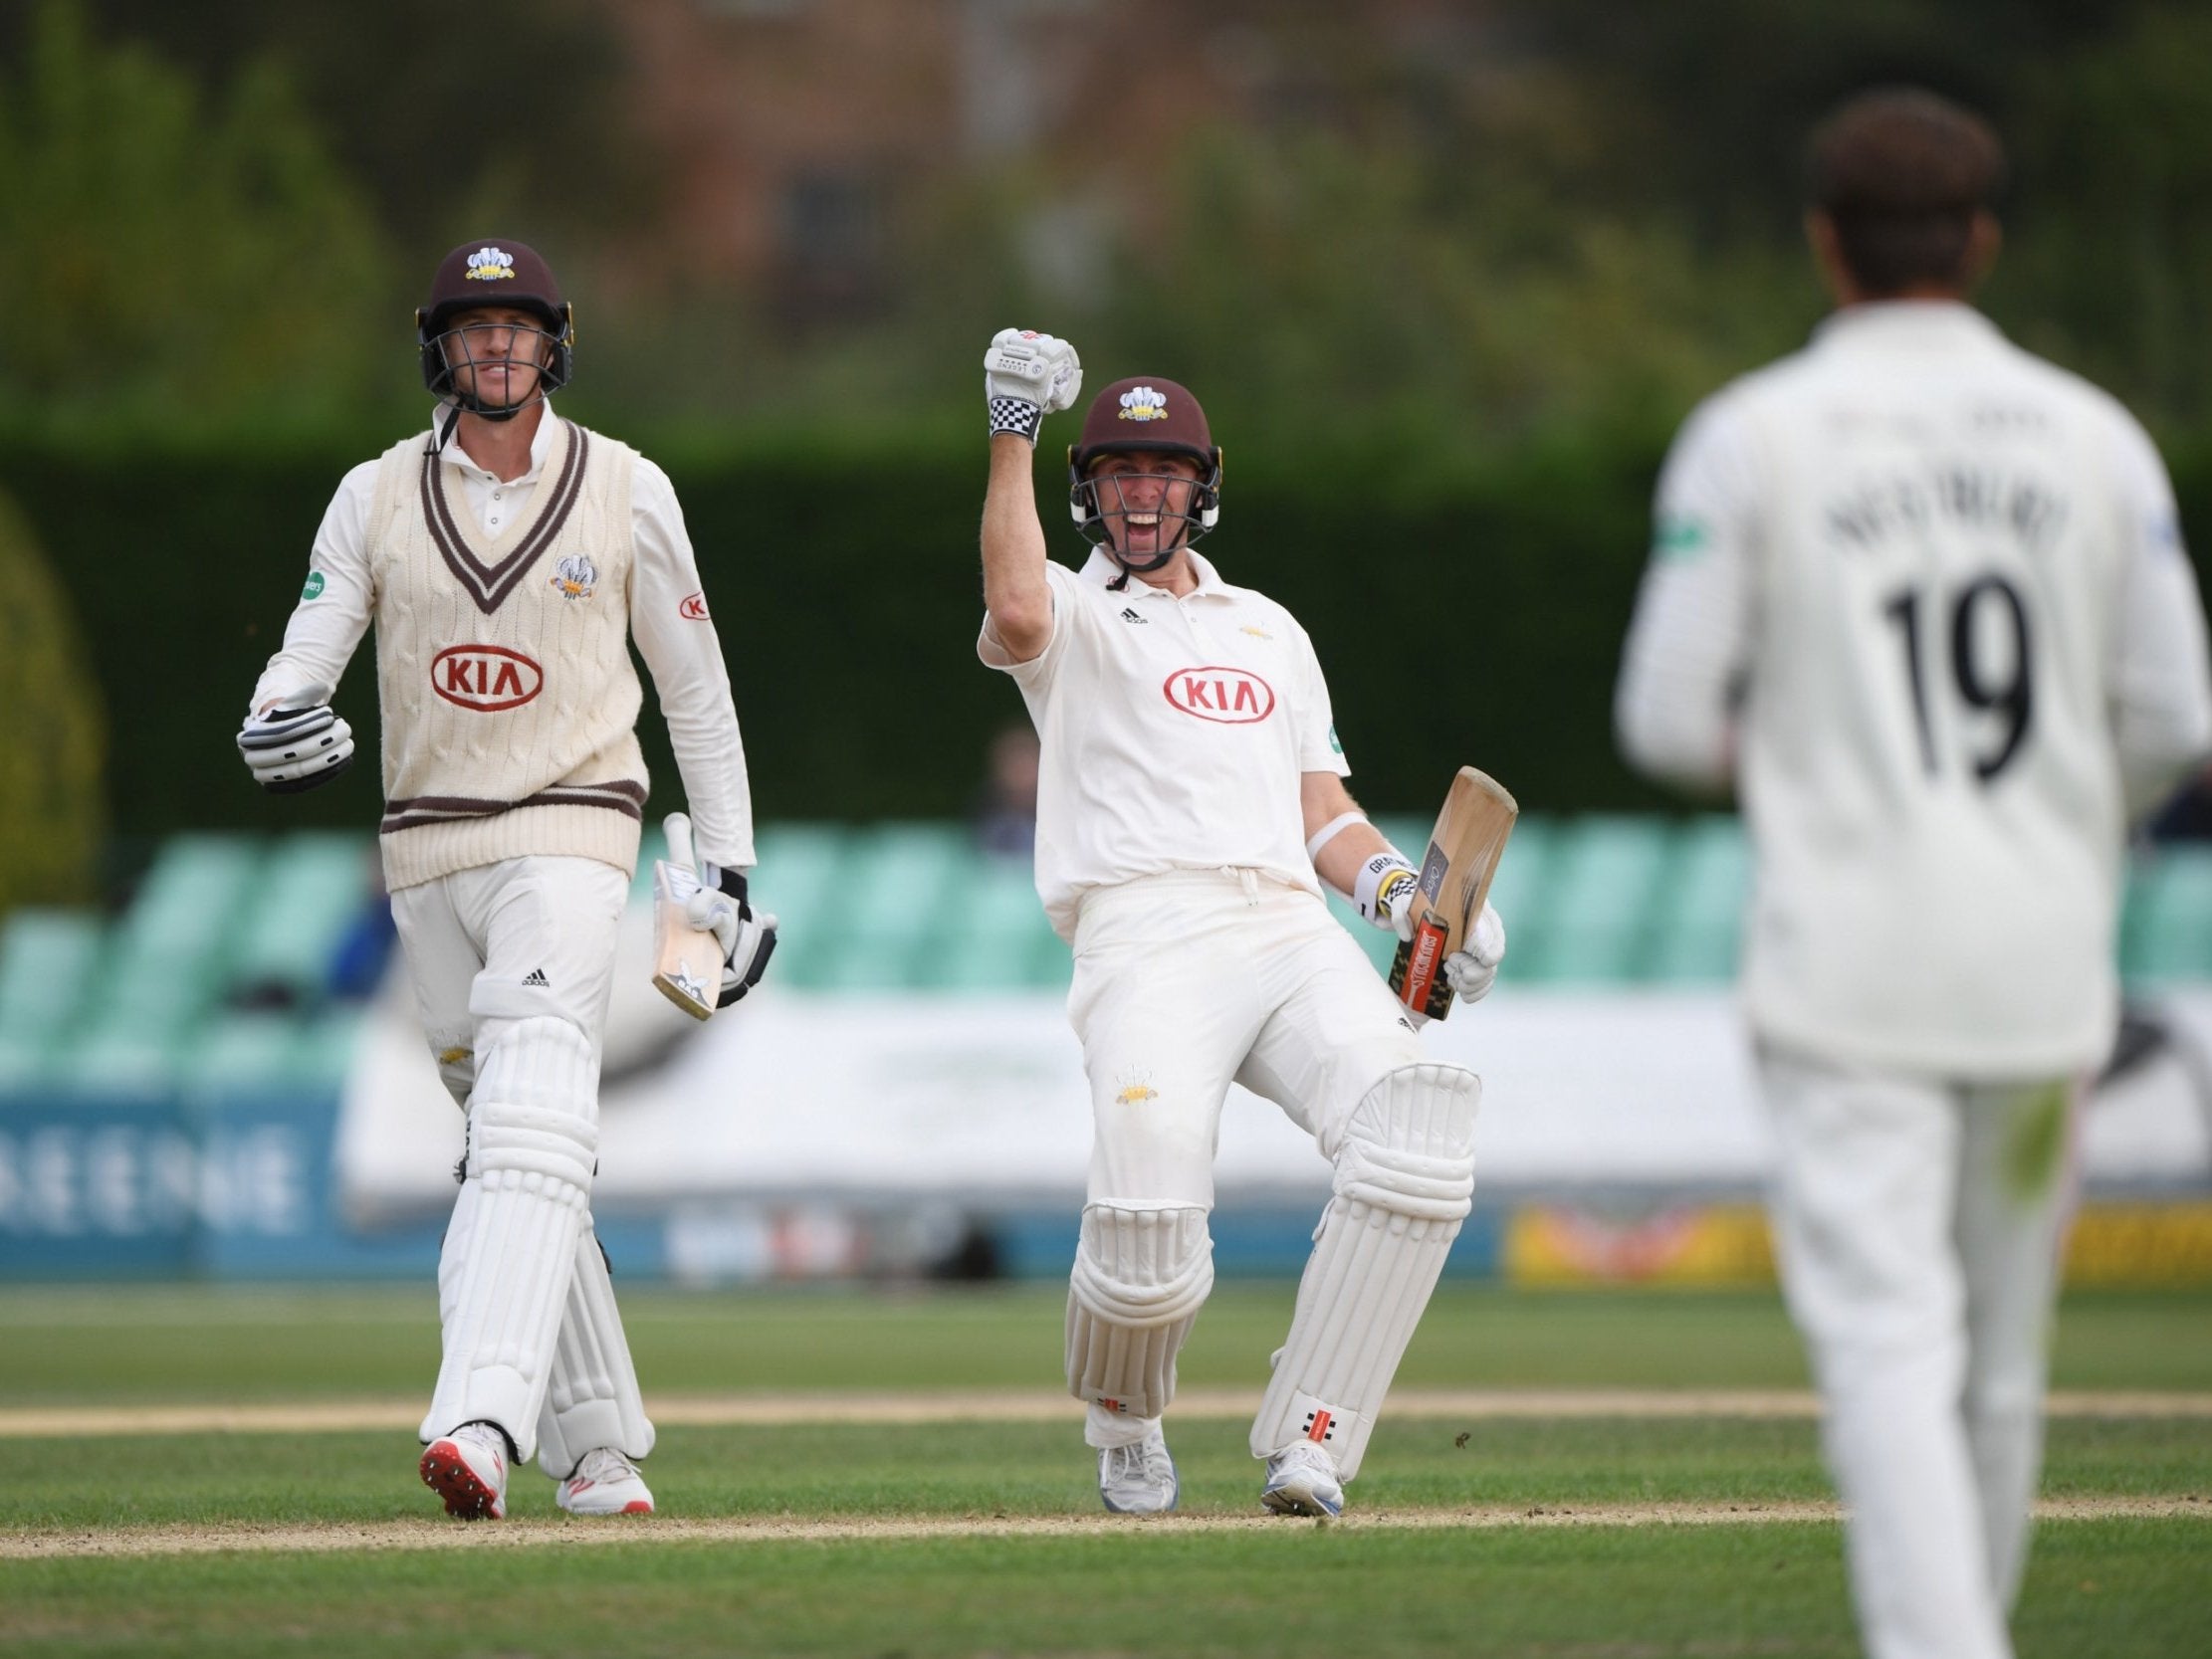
508	557
1191	806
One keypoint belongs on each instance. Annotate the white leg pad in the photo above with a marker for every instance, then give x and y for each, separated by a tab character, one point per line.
1405	1181
1142	1272
592	1400
511	1251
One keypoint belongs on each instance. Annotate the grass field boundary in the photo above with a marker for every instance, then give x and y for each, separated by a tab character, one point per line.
434	1533
782	1410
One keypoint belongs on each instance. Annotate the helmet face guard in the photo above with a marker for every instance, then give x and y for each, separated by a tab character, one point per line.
493	276
1101	508
447	352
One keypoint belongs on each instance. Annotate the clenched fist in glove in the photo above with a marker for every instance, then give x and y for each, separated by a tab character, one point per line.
1387	893
1027	376
298	744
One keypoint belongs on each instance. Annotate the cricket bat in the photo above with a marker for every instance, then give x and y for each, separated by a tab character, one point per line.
687	958
1463	856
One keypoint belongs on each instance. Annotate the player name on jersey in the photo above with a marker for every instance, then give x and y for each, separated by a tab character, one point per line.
1887	505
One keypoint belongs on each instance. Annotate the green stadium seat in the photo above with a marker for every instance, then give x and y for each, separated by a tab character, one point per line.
170	954
46	960
891	913
322	1049
189	901
23	1060
799	867
1522	894
1698	921
243	1051
995	937
2167	932
1603	878
309	892
118	1052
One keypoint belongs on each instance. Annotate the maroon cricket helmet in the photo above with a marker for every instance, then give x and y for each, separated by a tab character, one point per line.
1144	414
493	272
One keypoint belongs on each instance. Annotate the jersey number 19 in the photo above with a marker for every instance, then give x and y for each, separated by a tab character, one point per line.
2002	690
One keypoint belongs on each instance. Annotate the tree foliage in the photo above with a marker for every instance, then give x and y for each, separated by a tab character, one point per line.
52	734
185	256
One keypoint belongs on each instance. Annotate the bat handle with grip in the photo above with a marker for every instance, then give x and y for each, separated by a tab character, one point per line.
677	827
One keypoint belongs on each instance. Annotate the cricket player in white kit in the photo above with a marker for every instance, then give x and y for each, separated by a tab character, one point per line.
1923	597
507	558
1191	804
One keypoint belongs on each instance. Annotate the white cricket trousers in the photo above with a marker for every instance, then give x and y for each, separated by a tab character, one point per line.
1189	980
1918	1225
517	959
491	929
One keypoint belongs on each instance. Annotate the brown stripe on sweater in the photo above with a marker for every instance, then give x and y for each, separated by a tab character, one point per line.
620	797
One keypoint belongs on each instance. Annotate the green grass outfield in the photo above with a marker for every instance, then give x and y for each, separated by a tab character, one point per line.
1658	1523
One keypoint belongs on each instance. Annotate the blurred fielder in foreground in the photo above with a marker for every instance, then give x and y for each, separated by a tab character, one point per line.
1190	802
507	556
1923	597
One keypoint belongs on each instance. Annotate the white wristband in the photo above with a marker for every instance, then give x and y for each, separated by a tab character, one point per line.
1374	871
1329	831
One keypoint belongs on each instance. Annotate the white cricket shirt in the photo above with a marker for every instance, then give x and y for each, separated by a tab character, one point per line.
1173	733
1926	594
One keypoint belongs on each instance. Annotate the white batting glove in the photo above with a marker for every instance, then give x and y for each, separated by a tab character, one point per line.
297	745
1472	970
1028	377
746	935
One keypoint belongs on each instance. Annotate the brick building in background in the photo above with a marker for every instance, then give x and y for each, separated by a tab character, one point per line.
797	132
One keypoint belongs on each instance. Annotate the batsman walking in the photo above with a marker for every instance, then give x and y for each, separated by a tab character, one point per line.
1191	804
1923	597
507	558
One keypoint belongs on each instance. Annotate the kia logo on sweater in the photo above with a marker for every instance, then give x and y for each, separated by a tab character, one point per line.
1230	696
487	678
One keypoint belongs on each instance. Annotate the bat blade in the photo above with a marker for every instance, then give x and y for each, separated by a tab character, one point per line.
687	959
1457	868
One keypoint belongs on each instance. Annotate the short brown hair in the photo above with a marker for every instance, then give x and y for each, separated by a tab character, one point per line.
1901	173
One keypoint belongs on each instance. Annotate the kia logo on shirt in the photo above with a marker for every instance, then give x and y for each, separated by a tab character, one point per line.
1230	696
487	678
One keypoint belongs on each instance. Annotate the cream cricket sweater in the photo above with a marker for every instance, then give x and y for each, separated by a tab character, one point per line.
503	666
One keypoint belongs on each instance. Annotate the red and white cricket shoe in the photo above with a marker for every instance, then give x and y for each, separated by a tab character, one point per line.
468	1469
605	1483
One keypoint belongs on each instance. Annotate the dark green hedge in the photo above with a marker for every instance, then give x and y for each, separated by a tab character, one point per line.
1466	610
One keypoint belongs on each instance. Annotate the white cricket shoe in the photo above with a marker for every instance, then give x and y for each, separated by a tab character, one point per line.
1139	1479
605	1483
1301	1479
468	1469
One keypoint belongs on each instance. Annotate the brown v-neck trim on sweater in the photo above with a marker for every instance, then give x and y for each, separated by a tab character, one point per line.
489	584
